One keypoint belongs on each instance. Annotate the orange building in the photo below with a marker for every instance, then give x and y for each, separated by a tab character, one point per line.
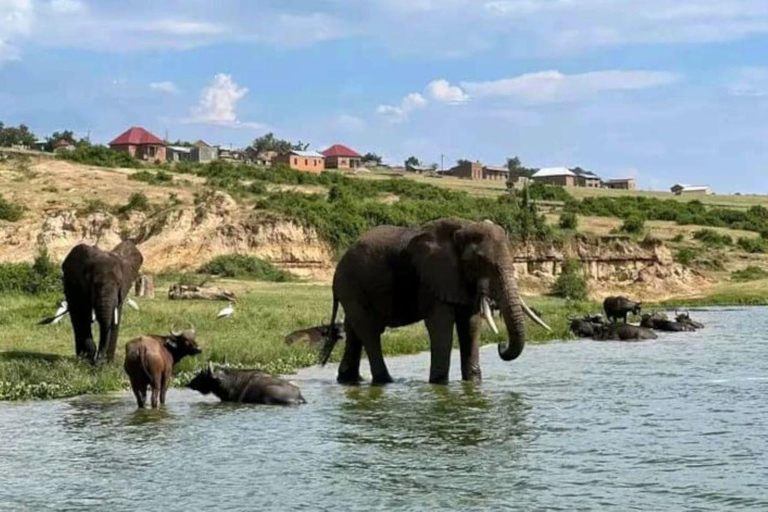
310	161
139	143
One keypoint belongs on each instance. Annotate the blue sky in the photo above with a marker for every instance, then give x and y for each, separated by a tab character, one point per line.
667	91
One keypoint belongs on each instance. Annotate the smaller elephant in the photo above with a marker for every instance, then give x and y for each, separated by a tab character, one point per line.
685	319
662	324
617	308
624	332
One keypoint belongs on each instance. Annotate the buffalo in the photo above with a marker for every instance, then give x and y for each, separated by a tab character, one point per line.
685	319
617	308
624	332
316	335
246	386
149	361
662	324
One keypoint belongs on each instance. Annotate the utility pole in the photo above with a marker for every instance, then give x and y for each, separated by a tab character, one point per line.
442	159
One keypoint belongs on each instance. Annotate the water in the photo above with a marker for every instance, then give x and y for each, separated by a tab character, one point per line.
680	423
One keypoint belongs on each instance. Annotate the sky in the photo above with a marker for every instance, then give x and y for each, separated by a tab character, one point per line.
663	91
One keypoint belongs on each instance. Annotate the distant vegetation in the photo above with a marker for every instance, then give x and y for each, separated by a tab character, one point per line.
245	267
12	136
153	178
568	220
634	225
571	283
750	273
712	238
352	206
10	211
42	276
101	156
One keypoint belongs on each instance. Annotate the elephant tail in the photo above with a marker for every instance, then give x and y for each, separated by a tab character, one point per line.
332	335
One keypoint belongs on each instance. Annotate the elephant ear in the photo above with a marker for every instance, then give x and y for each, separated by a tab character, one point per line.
437	265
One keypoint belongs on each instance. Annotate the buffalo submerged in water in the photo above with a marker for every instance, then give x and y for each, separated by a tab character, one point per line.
246	386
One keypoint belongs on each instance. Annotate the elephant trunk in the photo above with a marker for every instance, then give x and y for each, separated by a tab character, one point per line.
512	311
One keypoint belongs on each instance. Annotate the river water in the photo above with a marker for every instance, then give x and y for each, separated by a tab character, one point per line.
679	423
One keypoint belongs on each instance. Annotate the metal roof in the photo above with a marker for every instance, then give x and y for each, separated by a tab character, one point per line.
496	168
340	150
307	154
548	172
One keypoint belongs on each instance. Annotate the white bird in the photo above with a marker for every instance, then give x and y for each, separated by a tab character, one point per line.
59	312
226	312
132	304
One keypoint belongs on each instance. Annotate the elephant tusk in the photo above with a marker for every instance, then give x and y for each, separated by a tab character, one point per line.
533	316
485	308
132	304
117	317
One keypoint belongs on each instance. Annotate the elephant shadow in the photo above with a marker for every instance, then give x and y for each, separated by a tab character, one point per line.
450	418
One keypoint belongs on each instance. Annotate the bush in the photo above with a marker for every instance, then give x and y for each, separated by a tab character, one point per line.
101	156
685	256
137	202
633	225
571	284
752	245
678	238
241	267
159	178
42	276
10	211
548	193
568	220
712	238
750	273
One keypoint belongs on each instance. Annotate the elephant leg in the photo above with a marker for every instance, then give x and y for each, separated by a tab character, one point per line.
468	329
370	337
80	315
440	327
349	369
104	335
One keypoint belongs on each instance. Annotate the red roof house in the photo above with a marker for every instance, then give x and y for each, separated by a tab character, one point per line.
140	143
339	156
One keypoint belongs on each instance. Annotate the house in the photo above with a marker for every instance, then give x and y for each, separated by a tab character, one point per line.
63	145
560	176
40	145
178	153
339	156
468	170
201	151
621	184
420	169
518	182
311	161
260	158
586	178
231	155
495	172
139	143
680	189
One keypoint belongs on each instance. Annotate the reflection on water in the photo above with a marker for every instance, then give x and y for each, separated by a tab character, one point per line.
676	423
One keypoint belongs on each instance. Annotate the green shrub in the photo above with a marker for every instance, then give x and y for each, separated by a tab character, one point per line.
137	202
712	238
93	206
568	220
10	211
752	245
750	273
685	256
158	178
241	266
101	156
633	225
678	238
42	276
571	284
543	192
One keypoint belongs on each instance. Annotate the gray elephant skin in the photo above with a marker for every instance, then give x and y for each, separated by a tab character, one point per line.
617	308
444	273
98	281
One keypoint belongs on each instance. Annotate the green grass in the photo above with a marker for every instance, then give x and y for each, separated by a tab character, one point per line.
750	273
36	362
242	266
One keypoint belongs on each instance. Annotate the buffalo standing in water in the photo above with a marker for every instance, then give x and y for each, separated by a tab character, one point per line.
617	308
246	386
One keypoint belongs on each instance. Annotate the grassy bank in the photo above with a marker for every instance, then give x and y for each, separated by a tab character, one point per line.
36	361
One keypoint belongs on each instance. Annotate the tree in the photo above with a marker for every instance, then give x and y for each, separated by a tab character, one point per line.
412	161
268	142
462	161
11	136
517	169
372	158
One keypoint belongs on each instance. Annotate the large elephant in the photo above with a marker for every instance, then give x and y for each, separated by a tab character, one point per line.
444	273
96	283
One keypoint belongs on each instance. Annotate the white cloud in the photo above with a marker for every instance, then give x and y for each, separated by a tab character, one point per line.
554	86
218	104
444	92
182	28
749	82
349	123
398	113
165	87
7	52
16	19
66	6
